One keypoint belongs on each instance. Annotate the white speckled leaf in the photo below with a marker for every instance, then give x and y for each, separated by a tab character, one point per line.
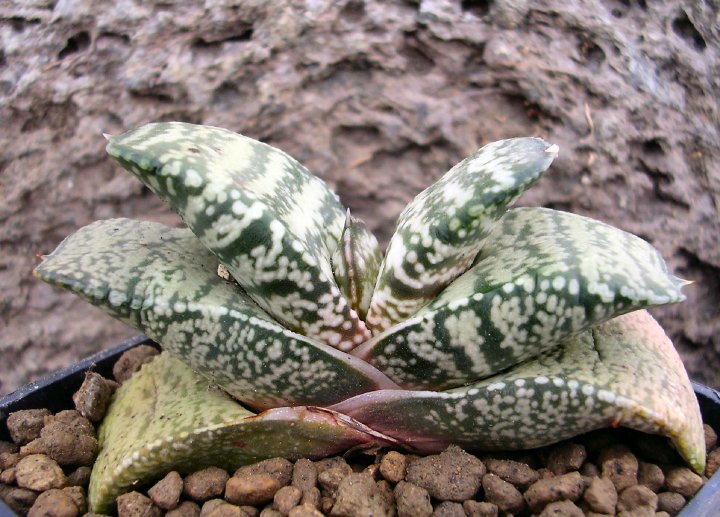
163	282
356	262
441	231
166	417
272	223
543	276
622	372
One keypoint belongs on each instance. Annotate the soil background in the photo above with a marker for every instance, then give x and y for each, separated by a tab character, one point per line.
379	98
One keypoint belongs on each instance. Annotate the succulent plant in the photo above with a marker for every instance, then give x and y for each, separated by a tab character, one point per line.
482	325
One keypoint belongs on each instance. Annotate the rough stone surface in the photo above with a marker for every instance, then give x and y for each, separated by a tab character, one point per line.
452	475
278	468
619	465
287	498
305	511
166	492
304	474
131	361
92	399
77	494
544	491
683	481
252	489
185	509
449	509
650	475
412	500
393	466
601	495
20	500
54	503
519	474
713	463
562	509
205	484
670	502
566	457
357	496
505	496
38	472
636	496
480	508
134	504
710	437
24	426
379	99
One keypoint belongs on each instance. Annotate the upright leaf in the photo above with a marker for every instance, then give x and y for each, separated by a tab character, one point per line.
163	282
272	223
622	372
356	262
166	417
542	276
443	229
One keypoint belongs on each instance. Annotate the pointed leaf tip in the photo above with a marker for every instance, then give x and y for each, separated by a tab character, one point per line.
107	136
553	149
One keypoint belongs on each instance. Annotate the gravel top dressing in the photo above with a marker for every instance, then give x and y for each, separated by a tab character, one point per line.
45	471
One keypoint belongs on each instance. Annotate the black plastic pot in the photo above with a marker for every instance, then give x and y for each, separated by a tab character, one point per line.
54	392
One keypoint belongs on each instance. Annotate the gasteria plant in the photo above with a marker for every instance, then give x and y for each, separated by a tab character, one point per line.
483	326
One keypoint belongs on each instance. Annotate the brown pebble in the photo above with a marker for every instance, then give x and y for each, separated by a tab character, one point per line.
683	481
185	509
412	500
452	475
251	489
77	494
18	500
449	509
24	426
72	420
640	511
330	479
326	504
304	511
34	447
210	505
38	472
504	495
650	475
619	465
590	470
286	498
636	496
544	491
311	497
358	496
562	509
68	441
480	509
332	462
372	470
8	447
8	460
7	476
224	509
545	473
269	511
134	504
601	496
80	476
54	503
279	468
710	437
304	474
250	511
393	466
662	514
566	457
92	399
131	361
713	463
670	502
514	472
205	484
166	492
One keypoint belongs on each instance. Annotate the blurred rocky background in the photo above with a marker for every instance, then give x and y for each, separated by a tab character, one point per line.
377	97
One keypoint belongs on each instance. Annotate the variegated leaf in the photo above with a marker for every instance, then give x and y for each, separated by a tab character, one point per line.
542	276
166	417
272	223
622	372
439	234
356	262
163	282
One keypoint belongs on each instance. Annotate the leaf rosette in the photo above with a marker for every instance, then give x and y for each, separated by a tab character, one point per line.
482	325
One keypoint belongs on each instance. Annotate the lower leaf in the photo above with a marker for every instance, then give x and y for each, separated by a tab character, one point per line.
622	372
167	417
